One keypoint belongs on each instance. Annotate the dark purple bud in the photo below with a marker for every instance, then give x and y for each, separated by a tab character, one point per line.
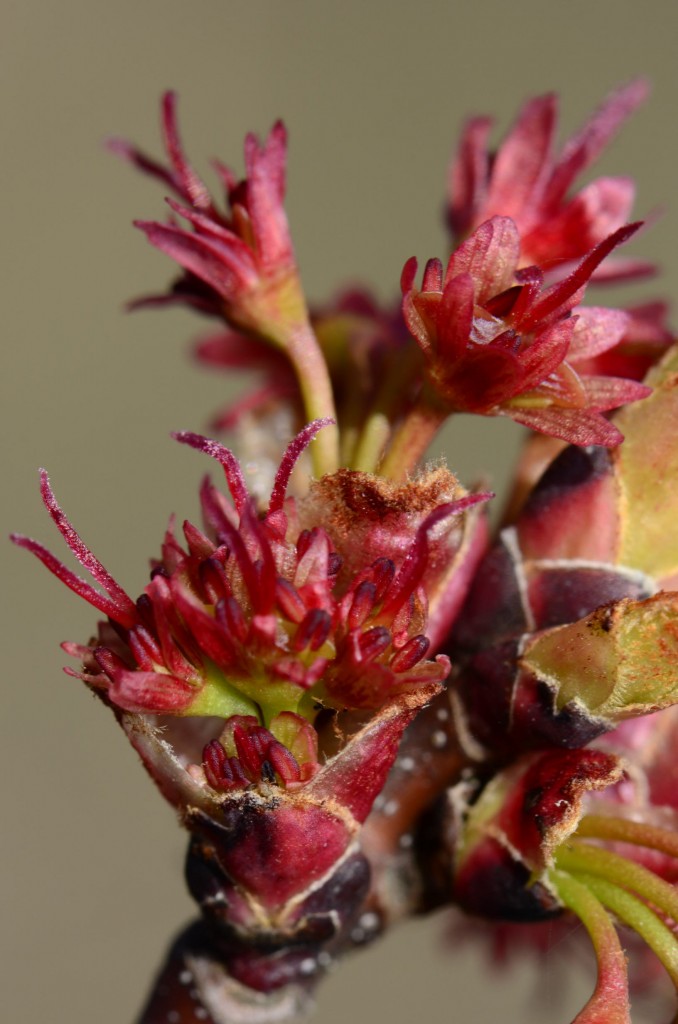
108	661
145	608
433	276
144	648
252	746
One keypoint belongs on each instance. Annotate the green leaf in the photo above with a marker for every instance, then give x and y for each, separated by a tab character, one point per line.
617	663
647	470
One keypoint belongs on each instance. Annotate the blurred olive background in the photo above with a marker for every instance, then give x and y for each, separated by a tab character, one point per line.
373	95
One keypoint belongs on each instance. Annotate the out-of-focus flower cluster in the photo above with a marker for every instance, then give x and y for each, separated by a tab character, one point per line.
361	704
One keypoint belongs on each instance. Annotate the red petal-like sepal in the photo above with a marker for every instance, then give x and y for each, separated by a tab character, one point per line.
524	180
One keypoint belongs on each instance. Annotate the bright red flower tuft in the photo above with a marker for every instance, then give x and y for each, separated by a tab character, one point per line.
524	180
496	343
258	616
239	264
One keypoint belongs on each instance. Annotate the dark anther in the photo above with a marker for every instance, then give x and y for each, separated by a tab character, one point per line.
383	571
374	642
145	611
408	656
289	601
334	563
313	630
362	605
267	771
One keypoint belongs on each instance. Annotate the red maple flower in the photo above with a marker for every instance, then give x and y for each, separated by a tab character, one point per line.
258	616
250	642
237	263
496	342
524	180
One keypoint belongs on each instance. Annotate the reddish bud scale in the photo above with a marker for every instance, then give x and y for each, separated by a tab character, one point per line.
312	631
564	636
269	957
535	578
274	865
514	829
548	580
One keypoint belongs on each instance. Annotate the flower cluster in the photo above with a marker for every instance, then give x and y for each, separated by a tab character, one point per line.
230	260
360	704
258	630
266	613
494	346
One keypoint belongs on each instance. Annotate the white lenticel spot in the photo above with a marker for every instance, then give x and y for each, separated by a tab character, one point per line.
442	714
406	841
439	739
200	1013
406	764
173	1017
185	977
369	921
390	808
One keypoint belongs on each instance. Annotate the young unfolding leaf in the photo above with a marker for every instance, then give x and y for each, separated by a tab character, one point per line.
647	470
618	662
